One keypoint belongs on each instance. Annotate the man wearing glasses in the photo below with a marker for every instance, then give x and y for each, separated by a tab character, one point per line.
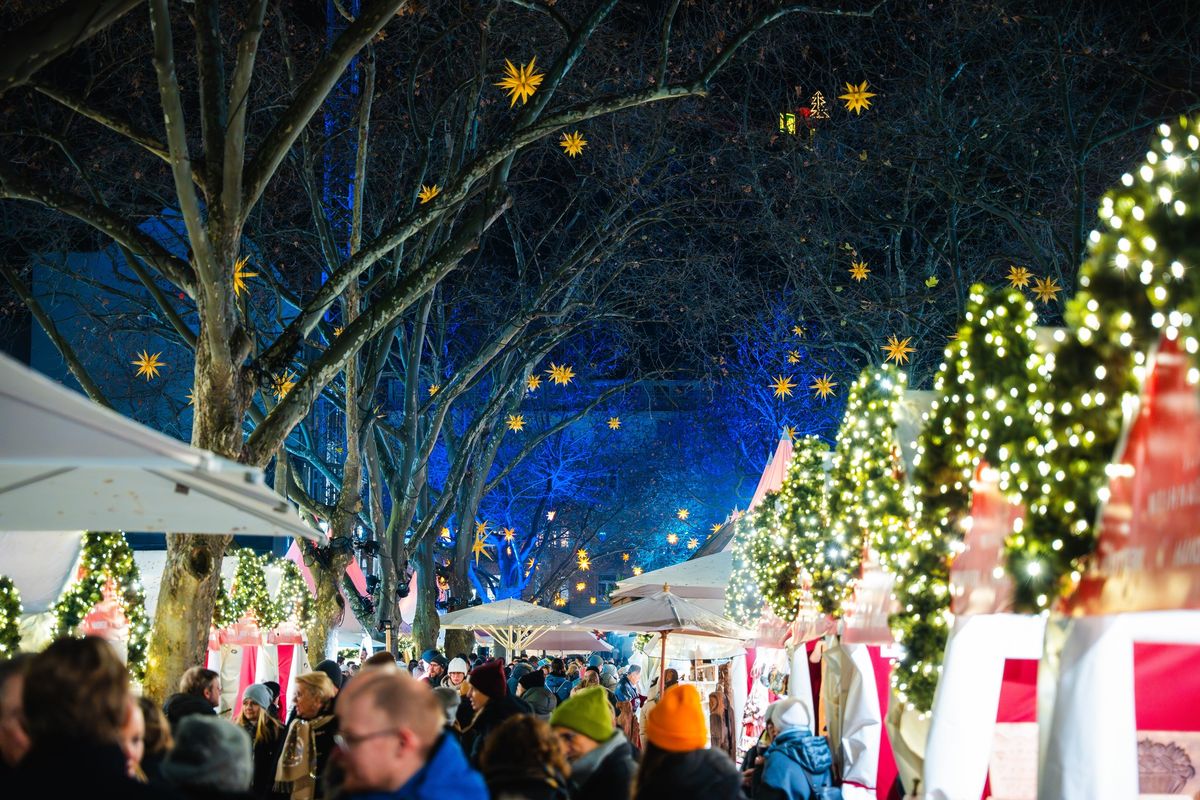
391	743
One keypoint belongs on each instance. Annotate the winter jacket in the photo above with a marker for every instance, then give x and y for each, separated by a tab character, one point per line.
266	759
77	768
493	714
183	705
555	682
518	671
541	700
445	776
710	774
520	786
783	776
323	745
606	773
626	692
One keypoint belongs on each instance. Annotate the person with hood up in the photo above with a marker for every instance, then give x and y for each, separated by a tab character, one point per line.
492	704
391	743
602	765
210	761
519	670
797	764
532	689
522	761
676	763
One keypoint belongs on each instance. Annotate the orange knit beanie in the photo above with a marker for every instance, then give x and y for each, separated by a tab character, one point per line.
676	723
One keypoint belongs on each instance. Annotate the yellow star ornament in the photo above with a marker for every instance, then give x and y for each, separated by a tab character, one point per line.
434	389
582	561
693	543
572	143
672	538
283	384
859	270
614	423
716	527
240	274
427	193
481	528
823	386
857	97
898	349
560	374
798	330
624	556
790	432
148	365
509	535
637	571
515	422
480	548
520	82
793	357
1018	277
1046	289
534	383
783	386
683	514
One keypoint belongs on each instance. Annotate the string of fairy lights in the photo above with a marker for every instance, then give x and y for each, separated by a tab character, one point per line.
10	617
251	598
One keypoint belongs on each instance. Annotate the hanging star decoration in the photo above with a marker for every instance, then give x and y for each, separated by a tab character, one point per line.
481	528
783	386
790	432
572	143
898	349
480	548
530	564
191	396
509	534
614	423
283	384
434	389
672	538
1018	277
427	193
520	82
716	527
515	422
580	586
637	571
857	97
798	330
823	386
533	383
582	561
560	374
624	556
1046	289
931	282
337	331
240	274
793	357
446	534
148	365
683	514
693	543
859	270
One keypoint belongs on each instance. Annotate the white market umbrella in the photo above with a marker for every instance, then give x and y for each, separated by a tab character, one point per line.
701	580
512	623
68	464
559	641
664	613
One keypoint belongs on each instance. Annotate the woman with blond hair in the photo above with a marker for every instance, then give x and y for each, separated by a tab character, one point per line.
266	734
309	740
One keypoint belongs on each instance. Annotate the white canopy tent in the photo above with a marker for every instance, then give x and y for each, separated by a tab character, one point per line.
512	623
700	580
68	464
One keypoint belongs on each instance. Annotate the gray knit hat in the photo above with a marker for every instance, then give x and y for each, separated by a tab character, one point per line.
450	700
210	753
259	694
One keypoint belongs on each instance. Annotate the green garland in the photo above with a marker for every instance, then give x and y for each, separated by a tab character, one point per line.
108	556
988	406
295	601
869	501
743	603
788	551
1140	280
10	618
250	595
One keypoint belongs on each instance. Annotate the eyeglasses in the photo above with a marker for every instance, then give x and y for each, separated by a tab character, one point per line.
346	742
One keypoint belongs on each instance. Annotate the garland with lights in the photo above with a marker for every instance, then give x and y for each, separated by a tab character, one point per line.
870	505
1138	282
788	549
988	406
105	557
743	603
295	602
249	595
10	618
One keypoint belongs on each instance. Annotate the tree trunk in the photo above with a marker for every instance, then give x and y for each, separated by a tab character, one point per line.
329	608
459	643
426	624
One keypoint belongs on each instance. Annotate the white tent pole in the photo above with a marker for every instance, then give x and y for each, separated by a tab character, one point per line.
662	664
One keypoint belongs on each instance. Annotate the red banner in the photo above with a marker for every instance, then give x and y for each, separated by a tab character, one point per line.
978	582
1148	549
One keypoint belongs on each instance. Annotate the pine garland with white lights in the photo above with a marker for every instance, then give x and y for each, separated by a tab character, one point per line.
107	556
989	406
869	501
10	618
1140	281
249	595
788	548
743	603
295	601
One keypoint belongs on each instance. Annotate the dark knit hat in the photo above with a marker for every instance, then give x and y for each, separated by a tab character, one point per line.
488	678
532	679
331	669
430	655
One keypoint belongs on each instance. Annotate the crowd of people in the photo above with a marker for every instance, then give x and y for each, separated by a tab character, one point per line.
534	729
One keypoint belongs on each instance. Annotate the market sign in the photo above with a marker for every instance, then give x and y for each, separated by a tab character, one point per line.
1148	547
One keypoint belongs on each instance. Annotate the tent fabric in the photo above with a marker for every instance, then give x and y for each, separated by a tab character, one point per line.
67	463
1089	748
696	579
503	613
772	478
555	641
964	715
663	611
40	564
854	717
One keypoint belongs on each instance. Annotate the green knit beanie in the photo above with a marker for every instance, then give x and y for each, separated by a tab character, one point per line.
587	713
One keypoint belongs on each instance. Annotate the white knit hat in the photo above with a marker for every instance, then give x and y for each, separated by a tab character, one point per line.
791	713
458	665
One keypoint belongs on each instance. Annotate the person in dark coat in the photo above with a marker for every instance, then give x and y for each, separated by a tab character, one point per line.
492	703
199	693
309	740
523	761
602	764
75	702
557	676
676	762
210	761
266	734
532	689
158	741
